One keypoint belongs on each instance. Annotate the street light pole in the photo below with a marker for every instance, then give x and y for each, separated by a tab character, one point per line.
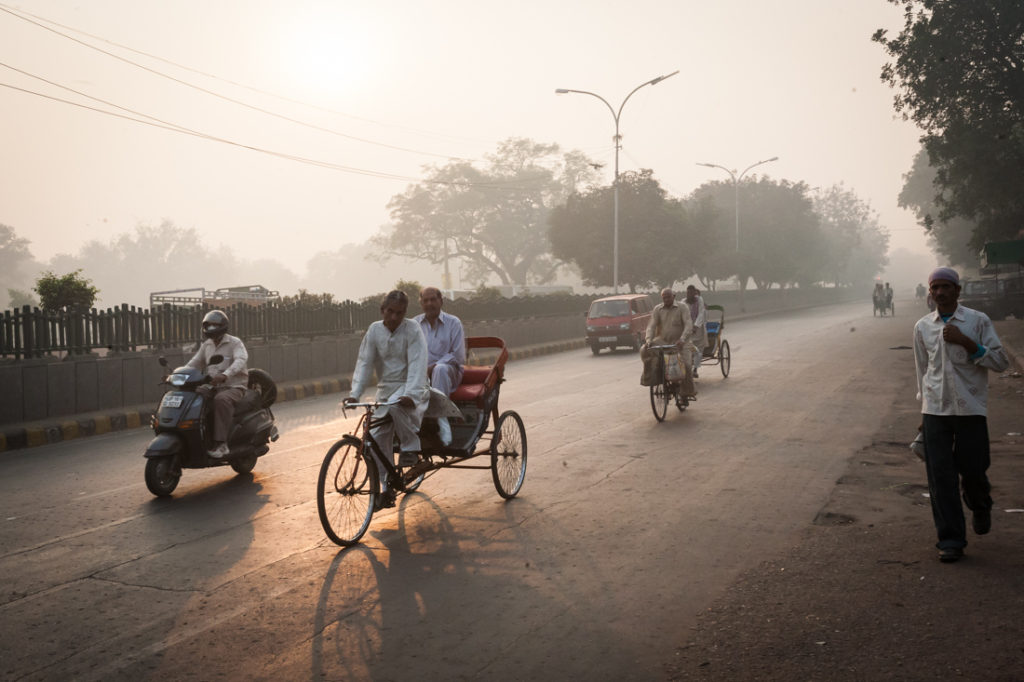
615	185
736	189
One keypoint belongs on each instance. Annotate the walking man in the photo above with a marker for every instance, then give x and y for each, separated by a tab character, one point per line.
954	348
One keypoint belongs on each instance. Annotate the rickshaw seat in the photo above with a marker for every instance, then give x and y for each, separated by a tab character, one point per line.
478	380
713	327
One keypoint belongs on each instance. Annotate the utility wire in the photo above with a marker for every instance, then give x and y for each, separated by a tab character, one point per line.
6	9
236	84
158	123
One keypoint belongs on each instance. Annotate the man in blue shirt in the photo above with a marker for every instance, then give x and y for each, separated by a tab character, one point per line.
446	349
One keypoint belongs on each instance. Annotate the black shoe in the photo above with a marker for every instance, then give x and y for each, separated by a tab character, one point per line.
948	555
408	459
982	521
386	499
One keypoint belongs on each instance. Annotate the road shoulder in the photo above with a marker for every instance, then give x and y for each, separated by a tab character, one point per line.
862	595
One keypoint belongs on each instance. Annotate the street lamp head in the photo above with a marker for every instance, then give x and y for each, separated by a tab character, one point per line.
774	158
561	91
661	78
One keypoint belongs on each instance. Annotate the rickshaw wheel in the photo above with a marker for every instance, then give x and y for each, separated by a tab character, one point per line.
346	491
508	454
412	485
659	401
724	358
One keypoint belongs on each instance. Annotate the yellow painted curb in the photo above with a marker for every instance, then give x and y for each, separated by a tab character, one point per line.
335	385
318	388
35	437
300	392
132	421
102	425
69	430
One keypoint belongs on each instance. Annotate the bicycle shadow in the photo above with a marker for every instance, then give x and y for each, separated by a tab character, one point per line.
450	597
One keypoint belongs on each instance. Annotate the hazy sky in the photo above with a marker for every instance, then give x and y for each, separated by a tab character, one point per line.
422	81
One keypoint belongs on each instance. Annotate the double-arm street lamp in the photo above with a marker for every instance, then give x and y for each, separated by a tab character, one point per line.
736	187
618	140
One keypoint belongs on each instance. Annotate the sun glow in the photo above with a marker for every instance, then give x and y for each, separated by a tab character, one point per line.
327	52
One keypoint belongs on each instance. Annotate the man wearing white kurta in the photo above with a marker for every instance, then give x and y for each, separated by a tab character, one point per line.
395	348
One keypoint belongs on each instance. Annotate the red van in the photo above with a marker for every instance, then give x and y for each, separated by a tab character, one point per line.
618	321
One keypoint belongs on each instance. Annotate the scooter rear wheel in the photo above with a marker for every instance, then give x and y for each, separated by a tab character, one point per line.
244	465
162	475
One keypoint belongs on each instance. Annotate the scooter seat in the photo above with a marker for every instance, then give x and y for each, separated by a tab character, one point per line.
249	402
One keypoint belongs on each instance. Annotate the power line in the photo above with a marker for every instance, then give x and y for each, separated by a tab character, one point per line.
158	123
233	83
8	10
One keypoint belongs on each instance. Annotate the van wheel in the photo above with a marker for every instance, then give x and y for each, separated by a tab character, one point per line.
636	344
595	349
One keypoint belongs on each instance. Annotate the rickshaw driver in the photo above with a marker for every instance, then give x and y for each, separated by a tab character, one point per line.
395	348
670	324
698	314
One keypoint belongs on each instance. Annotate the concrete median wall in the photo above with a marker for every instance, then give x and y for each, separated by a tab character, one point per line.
48	388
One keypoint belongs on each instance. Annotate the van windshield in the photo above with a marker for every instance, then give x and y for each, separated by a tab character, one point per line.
618	308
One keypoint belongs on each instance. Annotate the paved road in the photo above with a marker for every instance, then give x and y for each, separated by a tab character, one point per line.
624	530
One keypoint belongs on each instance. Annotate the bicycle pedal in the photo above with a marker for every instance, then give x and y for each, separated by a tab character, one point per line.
413	472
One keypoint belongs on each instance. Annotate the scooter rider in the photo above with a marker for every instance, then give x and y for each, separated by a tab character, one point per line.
229	375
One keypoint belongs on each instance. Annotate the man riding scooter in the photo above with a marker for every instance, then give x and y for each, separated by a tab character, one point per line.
229	375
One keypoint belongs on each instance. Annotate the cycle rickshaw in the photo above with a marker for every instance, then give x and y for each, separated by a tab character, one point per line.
349	489
667	387
882	303
716	352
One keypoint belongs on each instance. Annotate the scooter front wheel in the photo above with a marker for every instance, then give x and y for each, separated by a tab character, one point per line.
162	475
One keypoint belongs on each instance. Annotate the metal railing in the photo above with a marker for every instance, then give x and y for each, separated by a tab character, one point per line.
31	333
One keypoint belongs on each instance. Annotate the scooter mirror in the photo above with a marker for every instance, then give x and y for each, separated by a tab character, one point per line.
162	361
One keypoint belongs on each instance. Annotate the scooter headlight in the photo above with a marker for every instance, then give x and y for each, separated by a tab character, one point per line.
177	379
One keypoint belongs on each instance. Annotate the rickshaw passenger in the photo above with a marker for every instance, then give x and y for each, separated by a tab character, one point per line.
670	324
446	349
395	348
699	315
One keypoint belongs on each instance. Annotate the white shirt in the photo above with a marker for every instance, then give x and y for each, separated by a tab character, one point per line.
446	341
400	361
949	382
233	366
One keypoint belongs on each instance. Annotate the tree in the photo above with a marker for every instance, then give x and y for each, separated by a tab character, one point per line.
16	262
19	298
781	241
951	237
855	244
494	219
71	291
959	75
306	299
654	234
412	288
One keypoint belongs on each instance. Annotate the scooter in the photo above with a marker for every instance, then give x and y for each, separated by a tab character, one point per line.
184	424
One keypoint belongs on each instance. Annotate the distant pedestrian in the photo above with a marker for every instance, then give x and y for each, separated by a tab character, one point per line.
954	347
